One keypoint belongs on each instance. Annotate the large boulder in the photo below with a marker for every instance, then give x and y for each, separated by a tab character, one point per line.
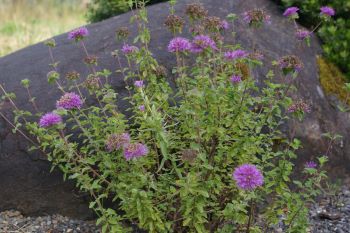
25	181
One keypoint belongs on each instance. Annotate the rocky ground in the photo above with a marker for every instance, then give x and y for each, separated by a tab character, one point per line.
330	214
14	222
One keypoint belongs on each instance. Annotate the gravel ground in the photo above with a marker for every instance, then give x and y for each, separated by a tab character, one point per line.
330	214
14	222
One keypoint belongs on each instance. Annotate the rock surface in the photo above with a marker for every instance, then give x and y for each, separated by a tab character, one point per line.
26	182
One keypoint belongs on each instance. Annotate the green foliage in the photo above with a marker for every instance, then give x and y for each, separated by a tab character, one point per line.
102	9
335	34
197	133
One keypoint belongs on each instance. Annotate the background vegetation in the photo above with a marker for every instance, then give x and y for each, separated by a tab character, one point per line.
26	22
334	34
102	9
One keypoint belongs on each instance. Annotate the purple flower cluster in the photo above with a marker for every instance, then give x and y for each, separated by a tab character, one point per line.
117	141
310	164
291	12
235	79
129	49
256	17
179	44
135	150
139	83
302	34
248	177
69	101
50	119
78	34
236	54
327	11
202	42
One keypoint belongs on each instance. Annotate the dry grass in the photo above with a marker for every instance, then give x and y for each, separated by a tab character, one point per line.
26	22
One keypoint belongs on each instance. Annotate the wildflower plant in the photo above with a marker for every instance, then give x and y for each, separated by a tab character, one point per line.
199	156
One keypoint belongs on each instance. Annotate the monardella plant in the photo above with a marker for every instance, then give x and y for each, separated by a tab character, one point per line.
203	150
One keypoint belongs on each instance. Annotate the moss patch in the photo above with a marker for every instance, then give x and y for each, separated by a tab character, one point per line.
332	79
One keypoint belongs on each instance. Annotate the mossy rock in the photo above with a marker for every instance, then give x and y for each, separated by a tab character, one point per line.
332	79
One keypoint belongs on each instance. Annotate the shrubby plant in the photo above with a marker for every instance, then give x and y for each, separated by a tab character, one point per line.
203	150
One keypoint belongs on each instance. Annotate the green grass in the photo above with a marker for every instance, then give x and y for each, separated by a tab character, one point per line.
26	22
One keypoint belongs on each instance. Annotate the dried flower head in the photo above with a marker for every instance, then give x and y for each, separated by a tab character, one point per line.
92	82
256	17
72	75
91	60
299	106
179	44
50	119
117	141
161	71
248	177
256	55
290	63
69	101
78	34
174	23
196	11
122	33
135	150
327	11
201	43
129	49
212	23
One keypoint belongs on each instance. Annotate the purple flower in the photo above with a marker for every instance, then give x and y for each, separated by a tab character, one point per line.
327	11
302	34
129	49
202	42
142	108
139	83
235	79
248	177
236	54
291	11
117	141
310	164
69	101
224	25
179	44
50	119
135	150
78	34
